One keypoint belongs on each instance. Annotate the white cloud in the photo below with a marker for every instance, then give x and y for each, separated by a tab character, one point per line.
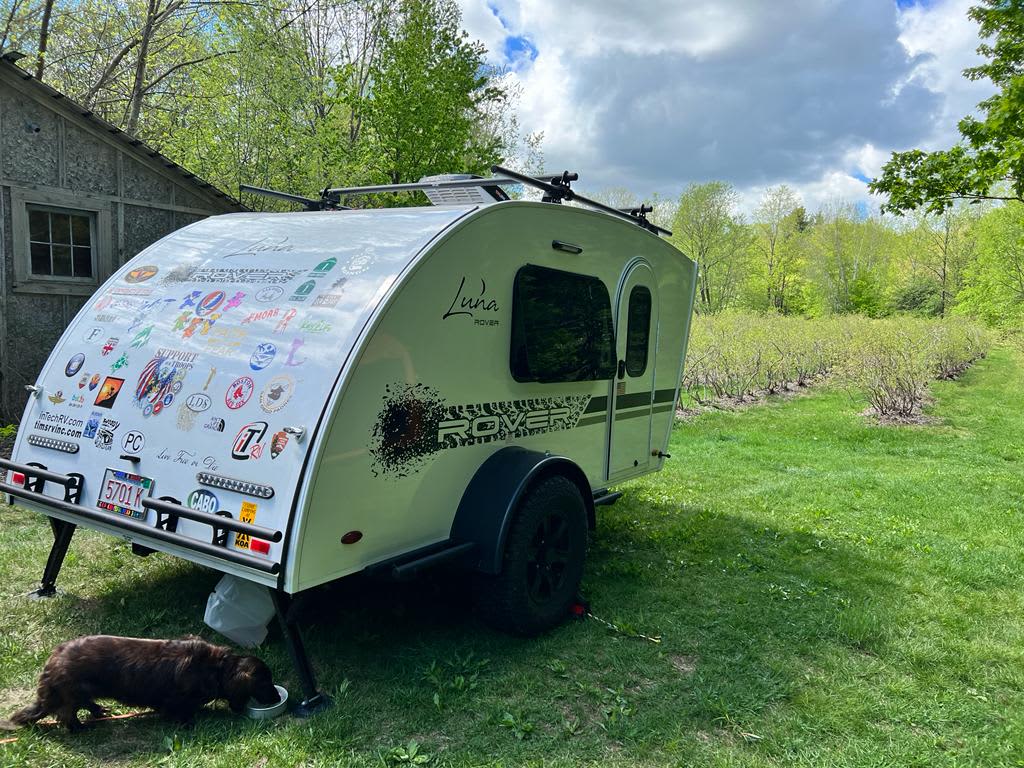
946	40
484	25
655	95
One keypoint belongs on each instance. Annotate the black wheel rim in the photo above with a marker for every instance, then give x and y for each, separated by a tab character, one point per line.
549	553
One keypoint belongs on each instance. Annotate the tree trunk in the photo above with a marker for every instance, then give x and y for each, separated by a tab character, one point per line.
139	83
44	35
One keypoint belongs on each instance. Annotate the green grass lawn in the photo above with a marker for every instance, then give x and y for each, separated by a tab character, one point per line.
828	592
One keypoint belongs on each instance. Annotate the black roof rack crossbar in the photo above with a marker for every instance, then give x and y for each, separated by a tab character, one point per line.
558	188
326	201
416	186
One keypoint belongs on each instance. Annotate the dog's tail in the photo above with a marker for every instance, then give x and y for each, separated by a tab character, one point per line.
29	714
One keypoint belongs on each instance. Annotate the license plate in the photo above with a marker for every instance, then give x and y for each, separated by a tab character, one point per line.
123	492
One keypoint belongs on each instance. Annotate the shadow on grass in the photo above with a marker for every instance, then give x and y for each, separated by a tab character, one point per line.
743	611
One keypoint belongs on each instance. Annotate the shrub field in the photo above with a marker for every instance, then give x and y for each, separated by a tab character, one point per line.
735	356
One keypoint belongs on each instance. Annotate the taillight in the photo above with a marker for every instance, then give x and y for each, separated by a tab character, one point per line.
18	478
258	545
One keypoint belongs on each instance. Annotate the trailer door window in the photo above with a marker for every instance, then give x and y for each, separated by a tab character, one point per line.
638	330
561	327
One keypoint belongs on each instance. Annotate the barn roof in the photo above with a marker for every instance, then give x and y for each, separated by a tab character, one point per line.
136	145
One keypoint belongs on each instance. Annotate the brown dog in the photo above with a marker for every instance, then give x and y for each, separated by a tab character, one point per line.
174	677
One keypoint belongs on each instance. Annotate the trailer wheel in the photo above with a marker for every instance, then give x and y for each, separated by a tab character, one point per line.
543	561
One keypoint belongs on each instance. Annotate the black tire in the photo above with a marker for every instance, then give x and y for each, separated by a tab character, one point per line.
542	564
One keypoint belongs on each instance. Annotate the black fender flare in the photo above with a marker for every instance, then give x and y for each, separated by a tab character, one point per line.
489	502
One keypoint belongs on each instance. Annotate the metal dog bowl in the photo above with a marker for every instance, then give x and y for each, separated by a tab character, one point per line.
256	712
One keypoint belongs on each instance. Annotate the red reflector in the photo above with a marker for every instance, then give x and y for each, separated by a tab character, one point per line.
17	478
351	537
258	545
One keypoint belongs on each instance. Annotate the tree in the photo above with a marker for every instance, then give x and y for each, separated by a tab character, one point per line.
707	230
849	259
17	22
616	197
429	89
128	61
776	225
943	246
994	281
44	34
988	163
253	115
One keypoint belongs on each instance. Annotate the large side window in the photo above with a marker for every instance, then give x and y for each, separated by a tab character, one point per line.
61	242
638	330
561	327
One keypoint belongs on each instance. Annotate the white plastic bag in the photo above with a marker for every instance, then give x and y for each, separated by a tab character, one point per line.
240	610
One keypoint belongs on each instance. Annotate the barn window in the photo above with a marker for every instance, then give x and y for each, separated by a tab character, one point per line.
638	330
561	327
61	242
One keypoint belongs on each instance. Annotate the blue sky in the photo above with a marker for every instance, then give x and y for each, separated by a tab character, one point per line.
812	93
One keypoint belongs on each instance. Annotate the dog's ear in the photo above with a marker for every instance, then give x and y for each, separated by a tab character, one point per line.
236	682
252	679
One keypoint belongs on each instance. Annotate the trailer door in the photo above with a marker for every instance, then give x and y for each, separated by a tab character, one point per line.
633	388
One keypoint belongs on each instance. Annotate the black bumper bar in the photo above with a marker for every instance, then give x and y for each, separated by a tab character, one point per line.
163	532
227	523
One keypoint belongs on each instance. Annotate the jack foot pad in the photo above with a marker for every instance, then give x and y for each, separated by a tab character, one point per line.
313	705
42	593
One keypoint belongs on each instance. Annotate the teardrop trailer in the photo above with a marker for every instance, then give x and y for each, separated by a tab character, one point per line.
292	398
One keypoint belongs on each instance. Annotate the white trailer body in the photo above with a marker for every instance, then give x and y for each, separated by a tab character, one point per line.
292	398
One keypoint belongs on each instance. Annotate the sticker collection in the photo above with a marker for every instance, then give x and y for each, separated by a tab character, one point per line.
261	316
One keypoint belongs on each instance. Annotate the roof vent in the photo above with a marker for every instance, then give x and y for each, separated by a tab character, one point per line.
442	195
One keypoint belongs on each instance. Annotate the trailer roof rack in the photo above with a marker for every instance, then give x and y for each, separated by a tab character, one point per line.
442	190
558	189
325	203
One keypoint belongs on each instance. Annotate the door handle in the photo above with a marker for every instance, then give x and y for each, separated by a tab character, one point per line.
622	369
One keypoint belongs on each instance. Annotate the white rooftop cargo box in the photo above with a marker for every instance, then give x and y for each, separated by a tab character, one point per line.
292	398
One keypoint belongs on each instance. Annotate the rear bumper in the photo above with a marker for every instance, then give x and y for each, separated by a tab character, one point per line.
160	536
